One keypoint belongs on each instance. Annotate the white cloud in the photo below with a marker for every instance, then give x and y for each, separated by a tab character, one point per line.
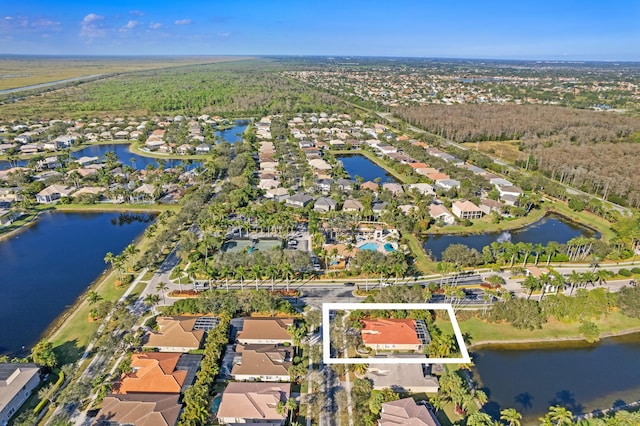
21	23
136	13
129	26
155	25
92	27
183	22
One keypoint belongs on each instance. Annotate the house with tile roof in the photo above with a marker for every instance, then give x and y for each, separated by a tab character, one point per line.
392	334
175	334
402	378
141	409
465	209
53	193
253	403
407	413
264	363
157	372
265	330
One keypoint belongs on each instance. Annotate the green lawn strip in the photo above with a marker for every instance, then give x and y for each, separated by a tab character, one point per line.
422	263
481	226
589	219
134	148
614	323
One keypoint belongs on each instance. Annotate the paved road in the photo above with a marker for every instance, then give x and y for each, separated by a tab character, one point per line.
52	83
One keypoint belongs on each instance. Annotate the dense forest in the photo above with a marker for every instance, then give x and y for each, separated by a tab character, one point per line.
594	151
238	88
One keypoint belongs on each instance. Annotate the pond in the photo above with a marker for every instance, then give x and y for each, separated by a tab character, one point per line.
550	228
359	165
233	134
580	377
49	264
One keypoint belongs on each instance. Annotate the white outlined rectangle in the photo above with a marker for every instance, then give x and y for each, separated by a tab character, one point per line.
326	342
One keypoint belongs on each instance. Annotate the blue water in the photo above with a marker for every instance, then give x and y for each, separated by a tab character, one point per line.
215	404
388	247
369	246
359	165
48	265
578	376
233	134
125	156
551	228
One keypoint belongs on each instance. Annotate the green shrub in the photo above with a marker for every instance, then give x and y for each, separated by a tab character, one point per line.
624	272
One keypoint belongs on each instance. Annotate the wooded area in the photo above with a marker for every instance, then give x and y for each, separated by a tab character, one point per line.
594	151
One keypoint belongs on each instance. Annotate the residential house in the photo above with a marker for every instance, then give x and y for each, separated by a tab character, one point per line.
17	381
394	188
325	204
319	164
253	403
278	194
157	409
265	330
514	191
345	184
498	181
447	184
144	193
203	148
440	212
436	176
53	193
158	372
352	205
324	185
185	149
371	186
487	206
298	200
402	378
466	210
407	413
393	334
264	363
85	161
422	188
378	208
175	334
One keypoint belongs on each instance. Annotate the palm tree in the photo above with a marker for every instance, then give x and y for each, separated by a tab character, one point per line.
287	272
93	297
527	248
538	249
151	300
256	271
360	369
511	416
292	404
240	273
560	415
162	287
575	279
109	258
552	249
531	283
272	273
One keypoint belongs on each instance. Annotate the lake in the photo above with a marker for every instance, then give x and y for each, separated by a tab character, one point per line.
48	265
359	165
550	228
233	134
580	377
125	156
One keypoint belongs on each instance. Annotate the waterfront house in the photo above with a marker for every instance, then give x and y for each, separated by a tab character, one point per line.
466	210
253	403
265	330
17	381
371	186
157	409
393	334
394	188
422	188
406	412
53	193
440	212
447	184
264	363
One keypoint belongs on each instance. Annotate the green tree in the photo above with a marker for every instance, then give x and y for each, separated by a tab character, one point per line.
511	416
42	353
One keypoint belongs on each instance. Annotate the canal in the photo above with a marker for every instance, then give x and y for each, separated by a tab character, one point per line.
359	165
233	134
550	228
49	264
580	377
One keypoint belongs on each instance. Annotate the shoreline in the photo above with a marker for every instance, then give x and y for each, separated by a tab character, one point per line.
515	344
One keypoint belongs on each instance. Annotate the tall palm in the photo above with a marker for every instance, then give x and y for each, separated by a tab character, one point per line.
511	416
552	248
538	249
560	415
240	273
575	279
287	271
162	287
151	300
256	271
532	284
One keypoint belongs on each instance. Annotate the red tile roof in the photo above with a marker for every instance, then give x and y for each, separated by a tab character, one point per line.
389	331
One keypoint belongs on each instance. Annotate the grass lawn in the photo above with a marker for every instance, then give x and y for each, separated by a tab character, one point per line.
423	263
481	331
589	219
485	224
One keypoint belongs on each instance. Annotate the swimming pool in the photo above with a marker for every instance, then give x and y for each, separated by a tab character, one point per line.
215	404
369	246
389	247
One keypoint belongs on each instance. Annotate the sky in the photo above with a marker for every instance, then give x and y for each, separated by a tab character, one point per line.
515	29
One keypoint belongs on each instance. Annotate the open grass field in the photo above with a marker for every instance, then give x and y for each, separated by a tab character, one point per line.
20	71
492	333
505	150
